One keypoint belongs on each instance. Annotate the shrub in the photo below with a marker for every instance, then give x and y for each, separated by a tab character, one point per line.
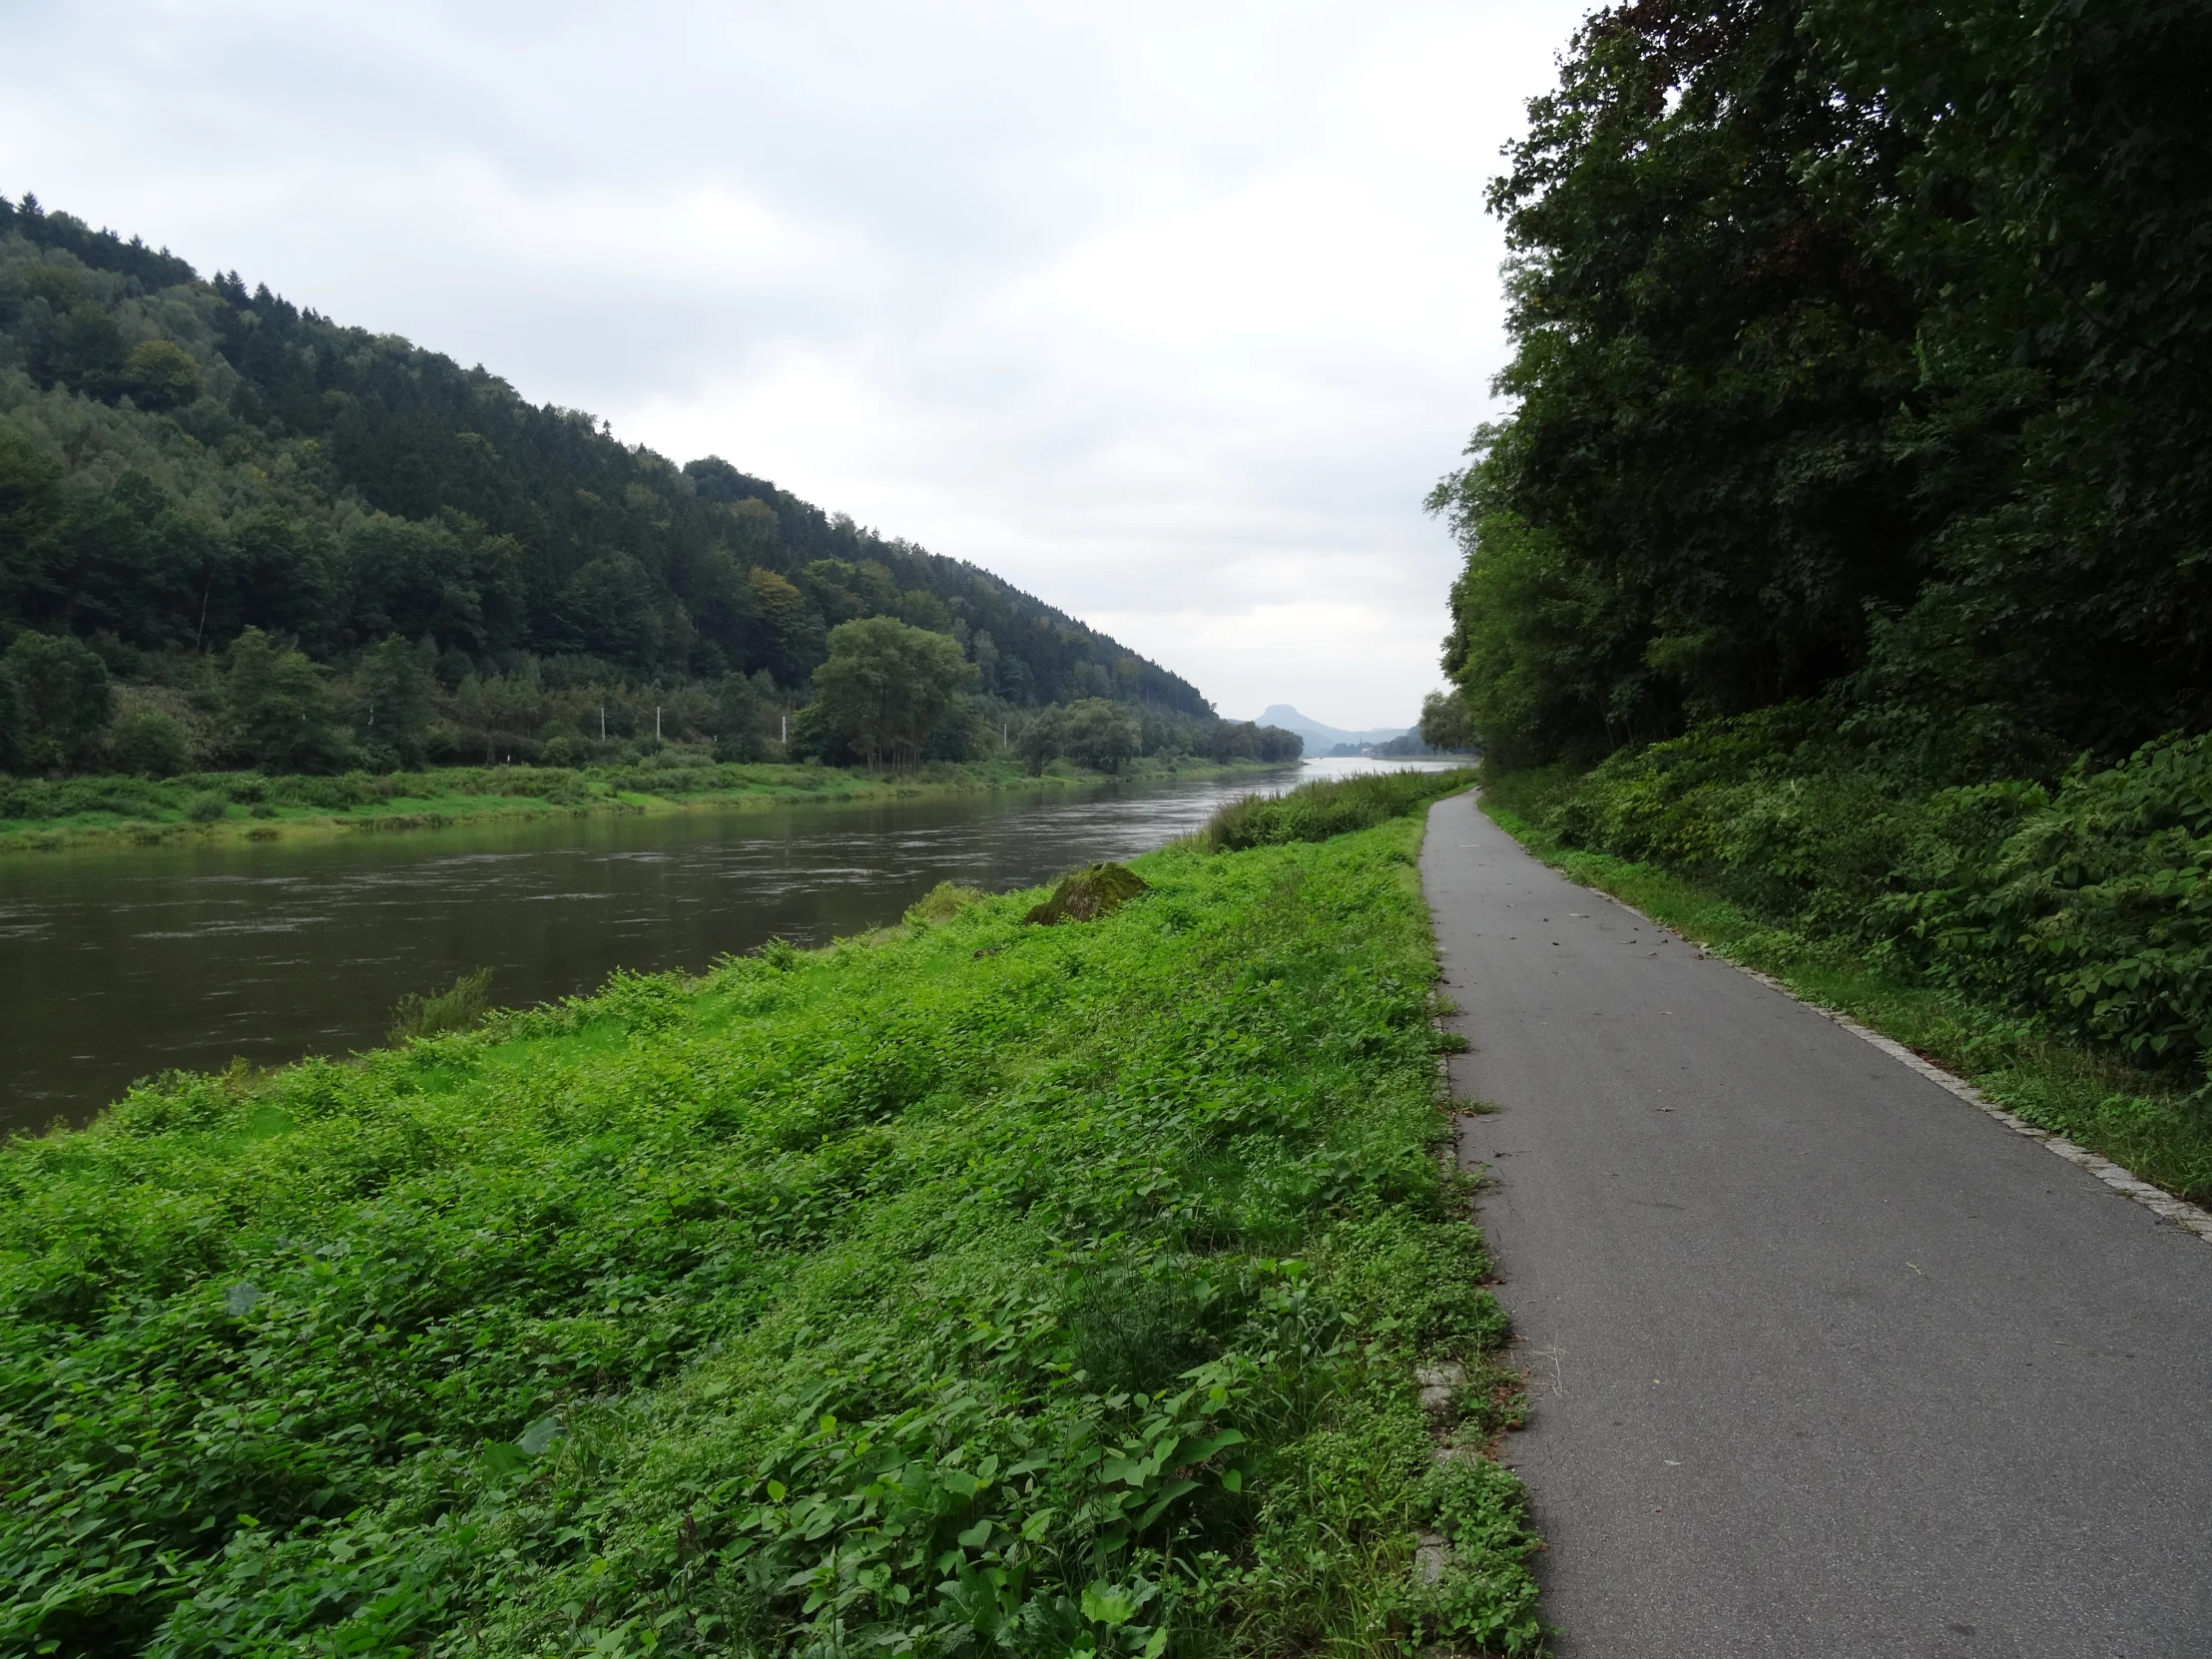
207	809
150	745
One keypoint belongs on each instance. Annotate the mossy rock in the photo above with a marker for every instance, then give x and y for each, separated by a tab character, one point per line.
1093	892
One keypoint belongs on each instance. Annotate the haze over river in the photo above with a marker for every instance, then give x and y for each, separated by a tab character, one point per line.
119	965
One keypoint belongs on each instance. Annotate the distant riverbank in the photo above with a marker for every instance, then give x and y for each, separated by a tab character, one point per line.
108	812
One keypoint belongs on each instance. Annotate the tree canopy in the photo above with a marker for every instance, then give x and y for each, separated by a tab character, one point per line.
886	687
1860	351
182	459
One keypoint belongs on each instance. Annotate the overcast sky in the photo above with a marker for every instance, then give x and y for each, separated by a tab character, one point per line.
1170	315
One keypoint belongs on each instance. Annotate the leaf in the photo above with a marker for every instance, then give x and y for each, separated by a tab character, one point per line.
1105	1604
1168	1495
539	1436
241	1299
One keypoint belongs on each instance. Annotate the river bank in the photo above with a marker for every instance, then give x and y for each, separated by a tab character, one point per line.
210	808
1065	1286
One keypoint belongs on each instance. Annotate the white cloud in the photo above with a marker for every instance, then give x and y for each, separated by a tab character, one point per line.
1168	313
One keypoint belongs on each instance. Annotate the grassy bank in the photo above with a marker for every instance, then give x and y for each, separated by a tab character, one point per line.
47	816
2151	1118
976	1286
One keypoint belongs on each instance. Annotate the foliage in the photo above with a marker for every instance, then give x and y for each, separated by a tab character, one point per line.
1860	354
886	688
1234	740
1092	732
943	902
460	1007
55	694
283	717
182	459
2086	905
975	1286
148	744
1483	1597
1444	727
1317	810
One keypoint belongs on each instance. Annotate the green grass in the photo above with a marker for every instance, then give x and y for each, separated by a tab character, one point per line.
1330	807
2143	1119
47	814
971	1287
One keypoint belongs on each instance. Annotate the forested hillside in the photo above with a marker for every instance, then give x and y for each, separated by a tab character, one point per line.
184	460
1854	508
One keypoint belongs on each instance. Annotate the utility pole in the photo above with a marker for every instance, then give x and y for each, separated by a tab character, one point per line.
602	722
656	723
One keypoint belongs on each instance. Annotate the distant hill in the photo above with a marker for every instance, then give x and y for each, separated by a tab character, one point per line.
181	458
1320	738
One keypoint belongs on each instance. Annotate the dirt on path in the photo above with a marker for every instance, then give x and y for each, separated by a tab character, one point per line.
1822	1359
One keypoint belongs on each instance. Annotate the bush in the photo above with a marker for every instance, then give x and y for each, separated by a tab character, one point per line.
207	809
1315	811
150	745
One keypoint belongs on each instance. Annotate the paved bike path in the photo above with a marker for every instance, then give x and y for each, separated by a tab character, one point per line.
1822	1359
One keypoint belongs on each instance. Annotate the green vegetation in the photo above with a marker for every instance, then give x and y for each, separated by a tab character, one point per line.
1860	355
1315	811
236	534
970	1287
2025	943
460	1007
46	813
1851	522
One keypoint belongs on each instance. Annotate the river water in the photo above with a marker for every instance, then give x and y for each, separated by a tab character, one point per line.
114	965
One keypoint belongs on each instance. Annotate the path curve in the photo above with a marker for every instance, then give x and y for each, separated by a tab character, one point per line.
1822	1361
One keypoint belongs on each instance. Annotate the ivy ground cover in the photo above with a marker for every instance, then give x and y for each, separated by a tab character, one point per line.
975	1286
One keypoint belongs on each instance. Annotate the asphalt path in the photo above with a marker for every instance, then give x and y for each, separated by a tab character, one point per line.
1822	1361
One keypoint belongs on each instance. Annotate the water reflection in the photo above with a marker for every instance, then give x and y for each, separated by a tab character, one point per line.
117	965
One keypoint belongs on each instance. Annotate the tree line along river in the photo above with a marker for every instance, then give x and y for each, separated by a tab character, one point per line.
119	965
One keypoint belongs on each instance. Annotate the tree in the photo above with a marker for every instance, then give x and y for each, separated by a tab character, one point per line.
886	686
150	745
740	720
1443	723
394	700
283	717
1096	733
791	642
161	374
1242	740
59	703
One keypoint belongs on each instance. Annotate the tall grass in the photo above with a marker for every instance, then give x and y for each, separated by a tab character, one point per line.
456	1008
974	1288
1317	810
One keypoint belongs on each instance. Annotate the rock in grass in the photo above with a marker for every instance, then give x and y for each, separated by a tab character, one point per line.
1093	892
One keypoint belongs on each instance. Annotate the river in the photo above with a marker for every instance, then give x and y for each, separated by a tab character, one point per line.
119	964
